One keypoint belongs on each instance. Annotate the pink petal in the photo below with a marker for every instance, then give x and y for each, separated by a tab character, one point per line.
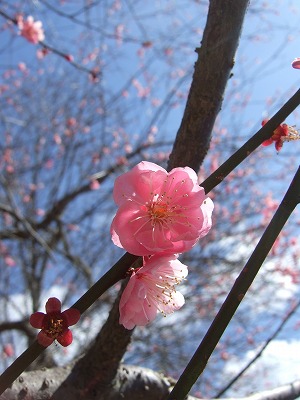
151	289
134	308
207	208
177	302
53	305
44	339
66	338
128	290
115	237
124	227
136	181
72	316
188	172
36	320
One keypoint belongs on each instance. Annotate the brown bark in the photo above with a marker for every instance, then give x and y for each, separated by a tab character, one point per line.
212	71
132	383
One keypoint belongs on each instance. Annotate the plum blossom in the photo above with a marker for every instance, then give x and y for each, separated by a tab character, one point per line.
283	133
151	289
54	324
159	211
31	30
296	63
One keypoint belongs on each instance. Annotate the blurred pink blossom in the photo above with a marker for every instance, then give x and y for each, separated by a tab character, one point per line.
151	289
9	261
94	185
41	53
159	211
8	350
31	30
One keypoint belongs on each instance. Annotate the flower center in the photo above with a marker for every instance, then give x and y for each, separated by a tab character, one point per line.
160	290
54	328
158	210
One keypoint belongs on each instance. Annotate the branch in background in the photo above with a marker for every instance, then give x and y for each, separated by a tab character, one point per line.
267	342
92	72
212	71
22	325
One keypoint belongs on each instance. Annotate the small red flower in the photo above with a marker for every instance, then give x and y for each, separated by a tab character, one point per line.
277	137
296	63
54	324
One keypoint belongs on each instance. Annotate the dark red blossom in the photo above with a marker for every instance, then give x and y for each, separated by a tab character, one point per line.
280	132
296	63
54	324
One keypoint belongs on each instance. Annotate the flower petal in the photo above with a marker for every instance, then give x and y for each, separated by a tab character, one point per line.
135	181
44	339
36	320
296	63
267	142
72	316
66	338
53	305
152	289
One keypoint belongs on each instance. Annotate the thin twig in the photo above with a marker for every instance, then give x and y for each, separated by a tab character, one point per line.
267	342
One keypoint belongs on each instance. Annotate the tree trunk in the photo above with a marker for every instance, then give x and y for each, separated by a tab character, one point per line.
212	71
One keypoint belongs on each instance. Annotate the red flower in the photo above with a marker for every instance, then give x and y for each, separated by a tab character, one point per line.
54	324
280	132
296	63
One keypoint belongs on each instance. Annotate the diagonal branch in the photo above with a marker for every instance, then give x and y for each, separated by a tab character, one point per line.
242	284
267	342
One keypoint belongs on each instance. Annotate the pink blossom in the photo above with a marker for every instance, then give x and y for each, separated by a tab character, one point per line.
151	289
31	30
41	53
94	185
8	350
55	324
9	261
159	211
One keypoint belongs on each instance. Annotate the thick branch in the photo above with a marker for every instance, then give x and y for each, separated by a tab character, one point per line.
212	71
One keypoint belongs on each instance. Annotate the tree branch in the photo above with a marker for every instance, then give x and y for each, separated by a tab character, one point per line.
212	71
242	284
